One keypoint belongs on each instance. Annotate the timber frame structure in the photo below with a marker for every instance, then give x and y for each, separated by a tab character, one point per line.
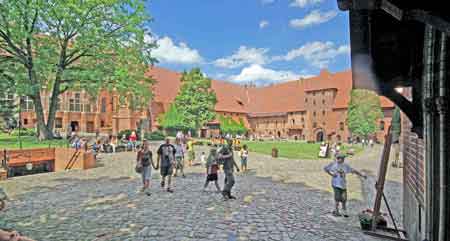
403	43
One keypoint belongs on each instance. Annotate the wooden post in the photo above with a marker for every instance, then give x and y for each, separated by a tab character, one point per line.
381	177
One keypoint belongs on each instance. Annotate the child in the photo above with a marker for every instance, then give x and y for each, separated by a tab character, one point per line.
338	170
179	158
212	168
244	157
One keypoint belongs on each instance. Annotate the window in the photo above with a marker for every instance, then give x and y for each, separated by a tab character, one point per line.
314	114
293	121
103	105
341	126
112	104
102	123
58	123
306	100
303	119
25	121
314	102
75	103
323	112
381	125
314	124
314	93
26	103
7	101
87	107
323	102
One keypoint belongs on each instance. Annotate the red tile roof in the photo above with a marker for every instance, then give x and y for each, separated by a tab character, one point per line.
284	97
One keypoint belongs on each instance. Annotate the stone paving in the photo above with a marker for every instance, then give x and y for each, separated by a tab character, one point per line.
278	199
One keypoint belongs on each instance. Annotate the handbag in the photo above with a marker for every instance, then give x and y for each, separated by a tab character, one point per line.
138	168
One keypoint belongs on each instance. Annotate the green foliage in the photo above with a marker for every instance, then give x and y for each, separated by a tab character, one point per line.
173	120
69	45
396	125
196	100
364	111
228	125
24	132
155	136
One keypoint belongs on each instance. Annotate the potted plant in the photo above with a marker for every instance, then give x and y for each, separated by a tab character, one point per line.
365	219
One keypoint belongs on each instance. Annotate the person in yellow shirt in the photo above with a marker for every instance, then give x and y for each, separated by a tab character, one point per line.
191	152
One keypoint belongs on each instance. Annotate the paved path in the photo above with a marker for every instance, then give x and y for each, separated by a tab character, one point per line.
274	203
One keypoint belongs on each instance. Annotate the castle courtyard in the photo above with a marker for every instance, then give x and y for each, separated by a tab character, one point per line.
277	199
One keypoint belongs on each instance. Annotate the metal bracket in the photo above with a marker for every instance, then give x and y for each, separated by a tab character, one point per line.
442	104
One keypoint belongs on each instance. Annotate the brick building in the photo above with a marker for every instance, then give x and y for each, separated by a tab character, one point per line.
313	109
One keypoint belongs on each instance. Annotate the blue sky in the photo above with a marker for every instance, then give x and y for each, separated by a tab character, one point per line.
259	41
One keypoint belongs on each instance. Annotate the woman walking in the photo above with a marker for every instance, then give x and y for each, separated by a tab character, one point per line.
144	160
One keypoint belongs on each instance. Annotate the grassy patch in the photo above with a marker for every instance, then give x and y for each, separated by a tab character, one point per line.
12	142
292	150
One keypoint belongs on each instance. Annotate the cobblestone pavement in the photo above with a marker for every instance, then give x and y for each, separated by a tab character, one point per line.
278	199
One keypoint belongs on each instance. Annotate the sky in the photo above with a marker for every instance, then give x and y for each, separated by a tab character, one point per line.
251	41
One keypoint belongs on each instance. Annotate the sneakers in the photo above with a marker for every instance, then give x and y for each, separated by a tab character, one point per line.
169	190
225	195
336	214
231	197
162	184
344	213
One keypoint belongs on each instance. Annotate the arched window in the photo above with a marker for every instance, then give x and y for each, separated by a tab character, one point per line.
293	121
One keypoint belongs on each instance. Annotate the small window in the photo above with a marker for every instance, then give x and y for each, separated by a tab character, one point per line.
314	102
293	121
323	102
102	123
314	124
323	112
306	100
25	121
103	105
314	113
341	126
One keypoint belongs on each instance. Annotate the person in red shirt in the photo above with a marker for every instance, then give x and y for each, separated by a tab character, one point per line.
212	169
133	139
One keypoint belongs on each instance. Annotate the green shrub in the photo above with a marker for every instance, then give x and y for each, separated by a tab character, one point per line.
155	136
24	132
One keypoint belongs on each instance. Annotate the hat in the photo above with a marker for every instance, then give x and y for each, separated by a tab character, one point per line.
340	156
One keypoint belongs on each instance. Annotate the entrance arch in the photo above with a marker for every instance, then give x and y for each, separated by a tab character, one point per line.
319	136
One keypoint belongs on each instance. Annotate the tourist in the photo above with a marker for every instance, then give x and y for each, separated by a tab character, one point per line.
244	157
133	139
225	155
179	157
212	169
144	160
12	236
371	142
338	171
166	156
191	152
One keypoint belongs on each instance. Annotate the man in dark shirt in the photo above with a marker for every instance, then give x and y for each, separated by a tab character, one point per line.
166	157
225	155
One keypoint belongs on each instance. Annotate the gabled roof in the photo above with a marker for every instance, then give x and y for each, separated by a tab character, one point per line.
261	101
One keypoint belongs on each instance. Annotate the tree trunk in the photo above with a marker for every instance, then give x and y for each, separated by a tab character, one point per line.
43	132
53	102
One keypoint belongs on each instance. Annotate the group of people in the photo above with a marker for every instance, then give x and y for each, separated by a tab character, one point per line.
170	162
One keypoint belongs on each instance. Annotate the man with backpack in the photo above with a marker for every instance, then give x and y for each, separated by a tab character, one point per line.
225	156
166	157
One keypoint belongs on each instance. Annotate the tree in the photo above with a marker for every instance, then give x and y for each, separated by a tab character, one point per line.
173	120
364	111
196	100
61	45
228	125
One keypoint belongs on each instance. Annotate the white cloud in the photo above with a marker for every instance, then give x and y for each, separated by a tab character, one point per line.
258	74
263	24
304	3
267	2
243	56
319	54
170	52
313	18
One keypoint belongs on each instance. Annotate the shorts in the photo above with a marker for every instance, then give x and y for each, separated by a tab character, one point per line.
244	161
340	195
166	170
191	155
180	162
146	173
212	177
